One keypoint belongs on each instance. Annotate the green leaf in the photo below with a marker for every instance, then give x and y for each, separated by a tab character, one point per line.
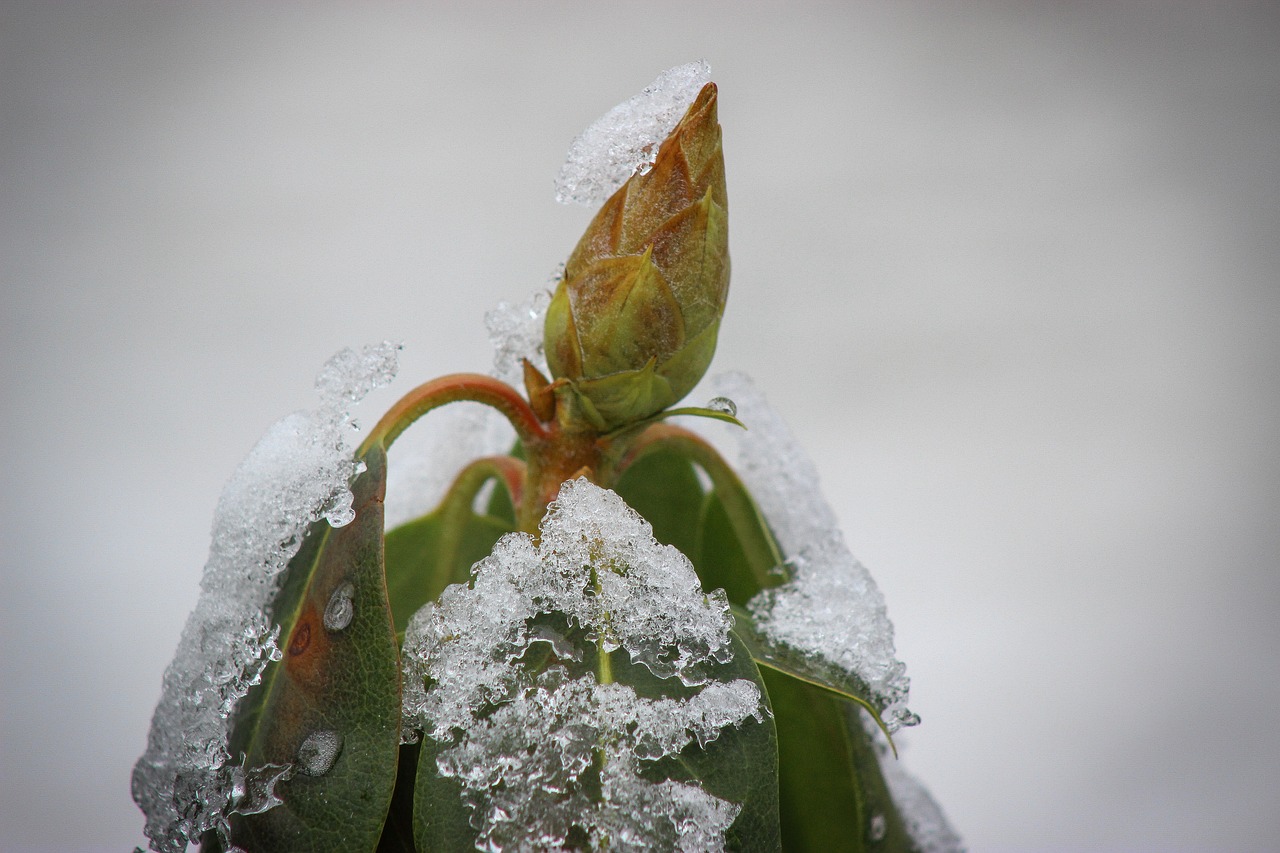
440	819
830	784
664	488
831	788
337	685
724	556
722	531
427	554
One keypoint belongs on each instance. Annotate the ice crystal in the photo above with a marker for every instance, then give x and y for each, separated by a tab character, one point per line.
831	607
626	139
521	742
297	474
515	331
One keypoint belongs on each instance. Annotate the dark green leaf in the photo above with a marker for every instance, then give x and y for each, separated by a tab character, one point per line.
721	531
426	555
439	816
723	557
664	488
829	773
338	685
831	786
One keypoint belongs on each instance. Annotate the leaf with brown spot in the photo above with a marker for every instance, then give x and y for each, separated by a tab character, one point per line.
338	685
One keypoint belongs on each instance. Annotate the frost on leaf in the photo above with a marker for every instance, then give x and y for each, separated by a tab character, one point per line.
508	677
626	138
830	608
924	819
186	782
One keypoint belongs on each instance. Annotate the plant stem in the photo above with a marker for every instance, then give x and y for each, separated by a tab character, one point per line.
475	387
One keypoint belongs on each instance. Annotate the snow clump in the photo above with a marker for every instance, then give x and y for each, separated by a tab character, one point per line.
831	607
924	819
297	474
520	742
626	139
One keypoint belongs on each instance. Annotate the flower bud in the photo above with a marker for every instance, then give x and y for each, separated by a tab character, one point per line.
633	322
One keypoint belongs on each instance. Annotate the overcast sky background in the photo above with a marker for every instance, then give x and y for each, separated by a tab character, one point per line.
1012	271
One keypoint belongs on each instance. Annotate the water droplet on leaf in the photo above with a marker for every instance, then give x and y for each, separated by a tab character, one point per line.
878	827
338	511
723	405
341	607
318	752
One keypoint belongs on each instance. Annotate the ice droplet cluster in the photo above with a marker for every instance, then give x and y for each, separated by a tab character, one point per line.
831	606
520	742
299	472
626	139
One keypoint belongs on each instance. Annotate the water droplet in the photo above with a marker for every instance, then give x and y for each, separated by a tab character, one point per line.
318	752
723	405
341	607
255	789
879	827
338	511
563	649
238	786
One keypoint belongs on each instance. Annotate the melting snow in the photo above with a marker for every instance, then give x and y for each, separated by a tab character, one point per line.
186	782
924	819
831	606
519	743
626	138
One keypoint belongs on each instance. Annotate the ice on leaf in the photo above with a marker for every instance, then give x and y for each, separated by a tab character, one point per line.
626	138
924	819
520	738
831	607
186	782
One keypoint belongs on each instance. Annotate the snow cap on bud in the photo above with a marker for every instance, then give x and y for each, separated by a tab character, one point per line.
632	325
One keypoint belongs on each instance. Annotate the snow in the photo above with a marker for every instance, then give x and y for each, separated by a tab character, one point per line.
298	473
515	331
625	139
924	819
830	607
519	743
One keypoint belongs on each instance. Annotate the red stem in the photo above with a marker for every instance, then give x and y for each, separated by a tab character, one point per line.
475	387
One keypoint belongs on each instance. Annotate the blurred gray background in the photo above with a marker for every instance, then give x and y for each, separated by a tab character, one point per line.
1012	270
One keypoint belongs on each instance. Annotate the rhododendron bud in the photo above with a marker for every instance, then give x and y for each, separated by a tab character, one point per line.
632	325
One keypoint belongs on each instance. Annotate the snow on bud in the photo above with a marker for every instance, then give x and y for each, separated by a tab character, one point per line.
632	325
